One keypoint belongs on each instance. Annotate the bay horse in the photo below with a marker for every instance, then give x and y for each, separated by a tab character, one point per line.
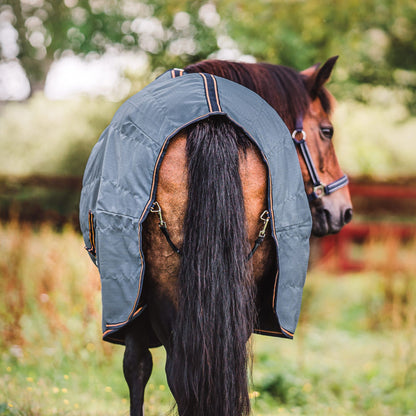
296	96
202	305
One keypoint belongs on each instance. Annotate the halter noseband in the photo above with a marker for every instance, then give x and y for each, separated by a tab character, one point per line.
319	189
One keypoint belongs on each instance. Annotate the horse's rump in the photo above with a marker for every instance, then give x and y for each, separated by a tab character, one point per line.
172	195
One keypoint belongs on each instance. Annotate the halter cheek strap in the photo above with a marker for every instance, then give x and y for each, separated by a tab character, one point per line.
319	189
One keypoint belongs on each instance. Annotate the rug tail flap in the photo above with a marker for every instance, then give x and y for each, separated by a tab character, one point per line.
291	216
118	238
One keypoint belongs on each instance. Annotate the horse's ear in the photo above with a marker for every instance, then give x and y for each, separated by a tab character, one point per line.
309	72
315	77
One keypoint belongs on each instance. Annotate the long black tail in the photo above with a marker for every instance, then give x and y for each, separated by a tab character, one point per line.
216	301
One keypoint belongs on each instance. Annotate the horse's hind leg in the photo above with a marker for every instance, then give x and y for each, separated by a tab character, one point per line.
137	367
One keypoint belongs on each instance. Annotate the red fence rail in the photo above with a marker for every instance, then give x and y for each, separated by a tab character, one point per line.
382	191
39	199
382	210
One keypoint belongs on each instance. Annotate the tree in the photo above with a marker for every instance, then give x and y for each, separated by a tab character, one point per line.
47	29
375	38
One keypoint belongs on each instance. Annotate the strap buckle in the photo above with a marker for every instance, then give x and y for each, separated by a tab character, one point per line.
296	132
155	209
319	191
265	217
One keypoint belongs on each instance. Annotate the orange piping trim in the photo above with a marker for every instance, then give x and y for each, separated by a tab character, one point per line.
206	92
122	323
121	341
269	332
216	92
93	233
138	311
286	332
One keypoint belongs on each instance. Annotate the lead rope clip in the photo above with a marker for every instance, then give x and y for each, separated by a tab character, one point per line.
157	210
265	217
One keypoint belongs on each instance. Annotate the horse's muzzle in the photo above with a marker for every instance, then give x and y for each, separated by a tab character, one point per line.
329	221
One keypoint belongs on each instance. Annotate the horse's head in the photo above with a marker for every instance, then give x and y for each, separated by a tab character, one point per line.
300	96
324	180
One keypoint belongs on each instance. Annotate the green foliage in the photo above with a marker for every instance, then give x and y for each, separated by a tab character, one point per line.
40	136
281	390
48	29
375	138
55	137
375	78
373	37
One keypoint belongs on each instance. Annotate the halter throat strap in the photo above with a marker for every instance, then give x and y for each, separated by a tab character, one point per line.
319	189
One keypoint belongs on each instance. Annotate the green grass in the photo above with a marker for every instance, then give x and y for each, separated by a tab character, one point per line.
354	352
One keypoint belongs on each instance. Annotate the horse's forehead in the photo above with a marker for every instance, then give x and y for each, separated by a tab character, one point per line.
317	112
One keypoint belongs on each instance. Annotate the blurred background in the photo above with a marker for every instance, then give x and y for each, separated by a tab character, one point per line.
66	66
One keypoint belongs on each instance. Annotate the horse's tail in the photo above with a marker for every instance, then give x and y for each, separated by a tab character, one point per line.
216	310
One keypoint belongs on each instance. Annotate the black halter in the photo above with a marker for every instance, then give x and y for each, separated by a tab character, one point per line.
319	189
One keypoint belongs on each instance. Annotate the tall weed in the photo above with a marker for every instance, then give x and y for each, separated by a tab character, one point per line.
50	289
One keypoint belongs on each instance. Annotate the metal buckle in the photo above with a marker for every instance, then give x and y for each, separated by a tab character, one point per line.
265	217
155	209
296	132
319	190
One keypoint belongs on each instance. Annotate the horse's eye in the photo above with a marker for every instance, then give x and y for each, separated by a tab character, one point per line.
327	132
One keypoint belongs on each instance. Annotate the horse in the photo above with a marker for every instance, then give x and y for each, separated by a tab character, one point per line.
203	287
295	96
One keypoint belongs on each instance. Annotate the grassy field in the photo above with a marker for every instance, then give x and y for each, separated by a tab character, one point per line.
354	352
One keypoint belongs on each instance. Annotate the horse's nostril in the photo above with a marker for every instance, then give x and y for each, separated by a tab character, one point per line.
347	215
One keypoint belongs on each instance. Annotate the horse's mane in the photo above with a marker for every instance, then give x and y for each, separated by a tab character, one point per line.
282	87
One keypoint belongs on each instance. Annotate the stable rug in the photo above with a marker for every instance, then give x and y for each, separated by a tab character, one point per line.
120	180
